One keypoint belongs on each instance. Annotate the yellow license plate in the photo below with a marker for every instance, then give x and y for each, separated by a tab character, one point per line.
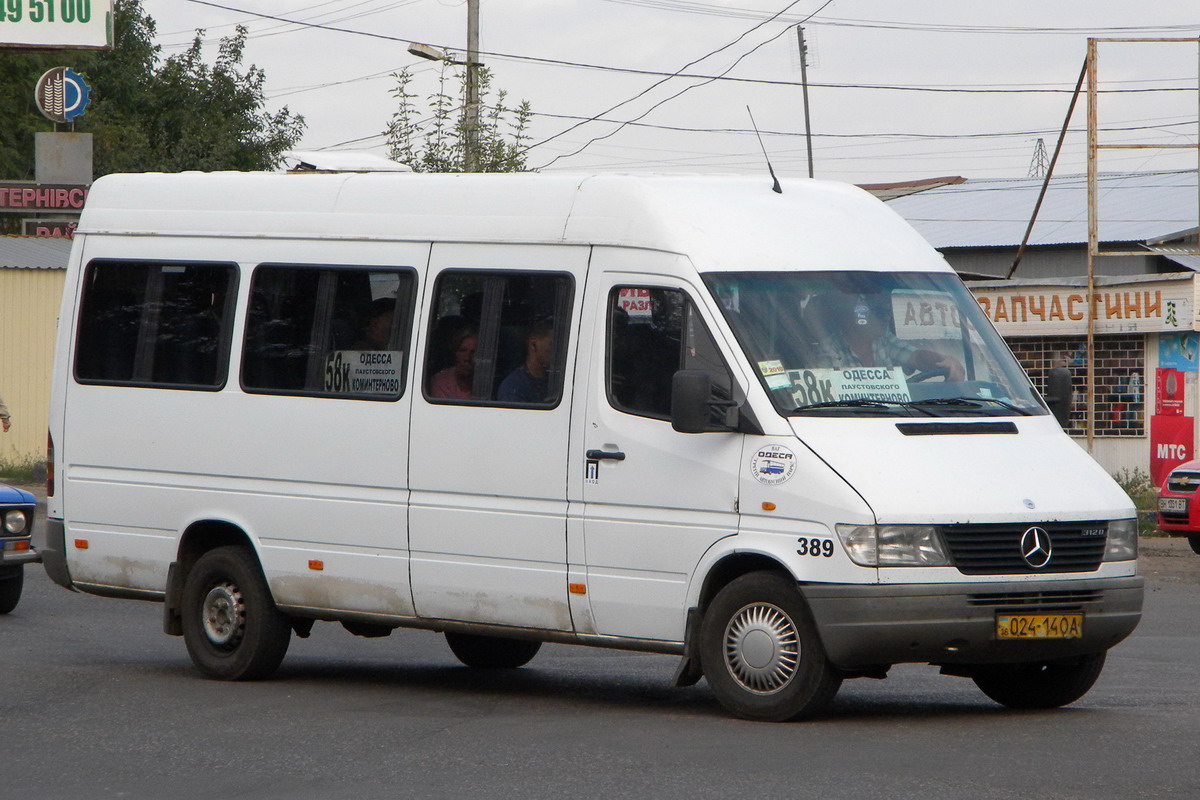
1039	626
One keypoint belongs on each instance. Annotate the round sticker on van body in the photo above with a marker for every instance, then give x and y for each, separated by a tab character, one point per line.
773	464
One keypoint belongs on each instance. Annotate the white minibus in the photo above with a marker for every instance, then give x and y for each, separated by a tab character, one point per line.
770	433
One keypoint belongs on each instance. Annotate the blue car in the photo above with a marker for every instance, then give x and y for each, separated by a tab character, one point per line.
16	545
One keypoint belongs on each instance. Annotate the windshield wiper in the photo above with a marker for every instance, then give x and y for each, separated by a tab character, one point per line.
862	402
970	402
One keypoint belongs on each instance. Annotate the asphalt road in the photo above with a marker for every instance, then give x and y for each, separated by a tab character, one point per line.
98	703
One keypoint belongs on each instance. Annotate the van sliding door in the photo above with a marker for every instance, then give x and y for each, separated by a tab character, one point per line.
488	464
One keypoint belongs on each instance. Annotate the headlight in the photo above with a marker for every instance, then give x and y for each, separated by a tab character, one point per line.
1122	540
893	545
15	522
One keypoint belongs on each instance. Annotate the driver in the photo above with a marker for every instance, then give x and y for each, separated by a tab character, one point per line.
856	336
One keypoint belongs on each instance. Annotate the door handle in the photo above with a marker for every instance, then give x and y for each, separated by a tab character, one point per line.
612	455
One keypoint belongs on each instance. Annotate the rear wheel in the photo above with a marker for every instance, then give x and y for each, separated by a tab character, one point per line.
11	583
761	653
491	652
231	627
1045	684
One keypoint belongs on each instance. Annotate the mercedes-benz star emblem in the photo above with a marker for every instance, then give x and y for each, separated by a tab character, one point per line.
1036	547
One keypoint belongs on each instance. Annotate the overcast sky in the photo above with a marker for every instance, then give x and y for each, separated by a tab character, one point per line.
985	57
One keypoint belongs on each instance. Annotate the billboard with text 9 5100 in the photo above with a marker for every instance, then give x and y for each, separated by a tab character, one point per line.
56	23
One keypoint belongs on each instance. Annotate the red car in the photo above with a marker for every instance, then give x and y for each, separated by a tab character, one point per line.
1179	503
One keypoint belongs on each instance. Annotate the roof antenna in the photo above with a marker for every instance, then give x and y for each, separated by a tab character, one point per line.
775	187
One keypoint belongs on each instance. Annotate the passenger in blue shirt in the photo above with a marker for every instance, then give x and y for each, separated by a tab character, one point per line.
530	382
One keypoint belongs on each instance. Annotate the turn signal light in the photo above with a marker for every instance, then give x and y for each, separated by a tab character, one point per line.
315	564
577	588
81	544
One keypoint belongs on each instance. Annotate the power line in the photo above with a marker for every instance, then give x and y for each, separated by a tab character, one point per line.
712	9
677	94
698	76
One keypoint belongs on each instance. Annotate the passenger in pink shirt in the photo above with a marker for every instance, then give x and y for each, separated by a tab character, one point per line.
454	382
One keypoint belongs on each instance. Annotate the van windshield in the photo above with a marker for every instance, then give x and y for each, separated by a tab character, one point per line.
872	343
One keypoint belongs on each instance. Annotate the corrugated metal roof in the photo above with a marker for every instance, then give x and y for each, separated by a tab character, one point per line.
1134	207
33	252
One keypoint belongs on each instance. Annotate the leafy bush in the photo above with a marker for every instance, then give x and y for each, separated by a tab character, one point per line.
1144	494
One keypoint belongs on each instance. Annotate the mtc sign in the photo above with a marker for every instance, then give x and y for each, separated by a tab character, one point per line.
56	23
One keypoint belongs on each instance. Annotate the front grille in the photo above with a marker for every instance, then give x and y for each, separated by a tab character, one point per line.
1183	482
996	549
1174	516
1041	600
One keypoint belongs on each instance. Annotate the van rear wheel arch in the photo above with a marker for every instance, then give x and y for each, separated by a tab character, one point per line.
198	538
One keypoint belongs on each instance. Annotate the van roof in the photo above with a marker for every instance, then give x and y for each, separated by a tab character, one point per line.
720	222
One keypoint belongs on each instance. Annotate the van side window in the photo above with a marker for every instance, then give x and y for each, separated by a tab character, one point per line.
653	333
328	331
155	323
498	338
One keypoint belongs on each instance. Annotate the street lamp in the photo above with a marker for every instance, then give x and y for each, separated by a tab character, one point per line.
471	115
425	51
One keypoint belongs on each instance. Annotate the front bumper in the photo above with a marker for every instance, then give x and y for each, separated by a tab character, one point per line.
9	554
875	625
1188	522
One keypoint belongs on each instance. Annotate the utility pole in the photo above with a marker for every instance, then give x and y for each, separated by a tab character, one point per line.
471	156
804	87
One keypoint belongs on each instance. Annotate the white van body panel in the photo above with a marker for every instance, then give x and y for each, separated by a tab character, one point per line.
962	479
489	485
216	456
648	518
720	223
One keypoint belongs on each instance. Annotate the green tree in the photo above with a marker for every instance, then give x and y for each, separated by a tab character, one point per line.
438	142
148	114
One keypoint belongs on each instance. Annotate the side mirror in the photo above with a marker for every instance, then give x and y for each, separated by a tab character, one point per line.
690	393
692	403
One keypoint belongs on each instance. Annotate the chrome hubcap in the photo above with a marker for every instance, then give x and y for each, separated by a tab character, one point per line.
762	648
224	615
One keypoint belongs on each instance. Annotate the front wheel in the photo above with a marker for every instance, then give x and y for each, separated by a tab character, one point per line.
1048	684
231	627
491	652
11	583
761	654
1194	541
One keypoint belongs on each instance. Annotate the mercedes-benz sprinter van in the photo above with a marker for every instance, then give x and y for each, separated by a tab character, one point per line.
771	433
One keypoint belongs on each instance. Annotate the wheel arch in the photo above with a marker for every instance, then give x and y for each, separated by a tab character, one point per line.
730	567
198	538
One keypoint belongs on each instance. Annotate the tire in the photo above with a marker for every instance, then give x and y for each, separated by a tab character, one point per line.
1046	684
231	627
761	654
10	588
1194	541
492	652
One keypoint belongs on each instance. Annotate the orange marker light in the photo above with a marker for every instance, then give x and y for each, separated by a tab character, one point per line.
577	588
768	506
315	564
20	546
81	544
